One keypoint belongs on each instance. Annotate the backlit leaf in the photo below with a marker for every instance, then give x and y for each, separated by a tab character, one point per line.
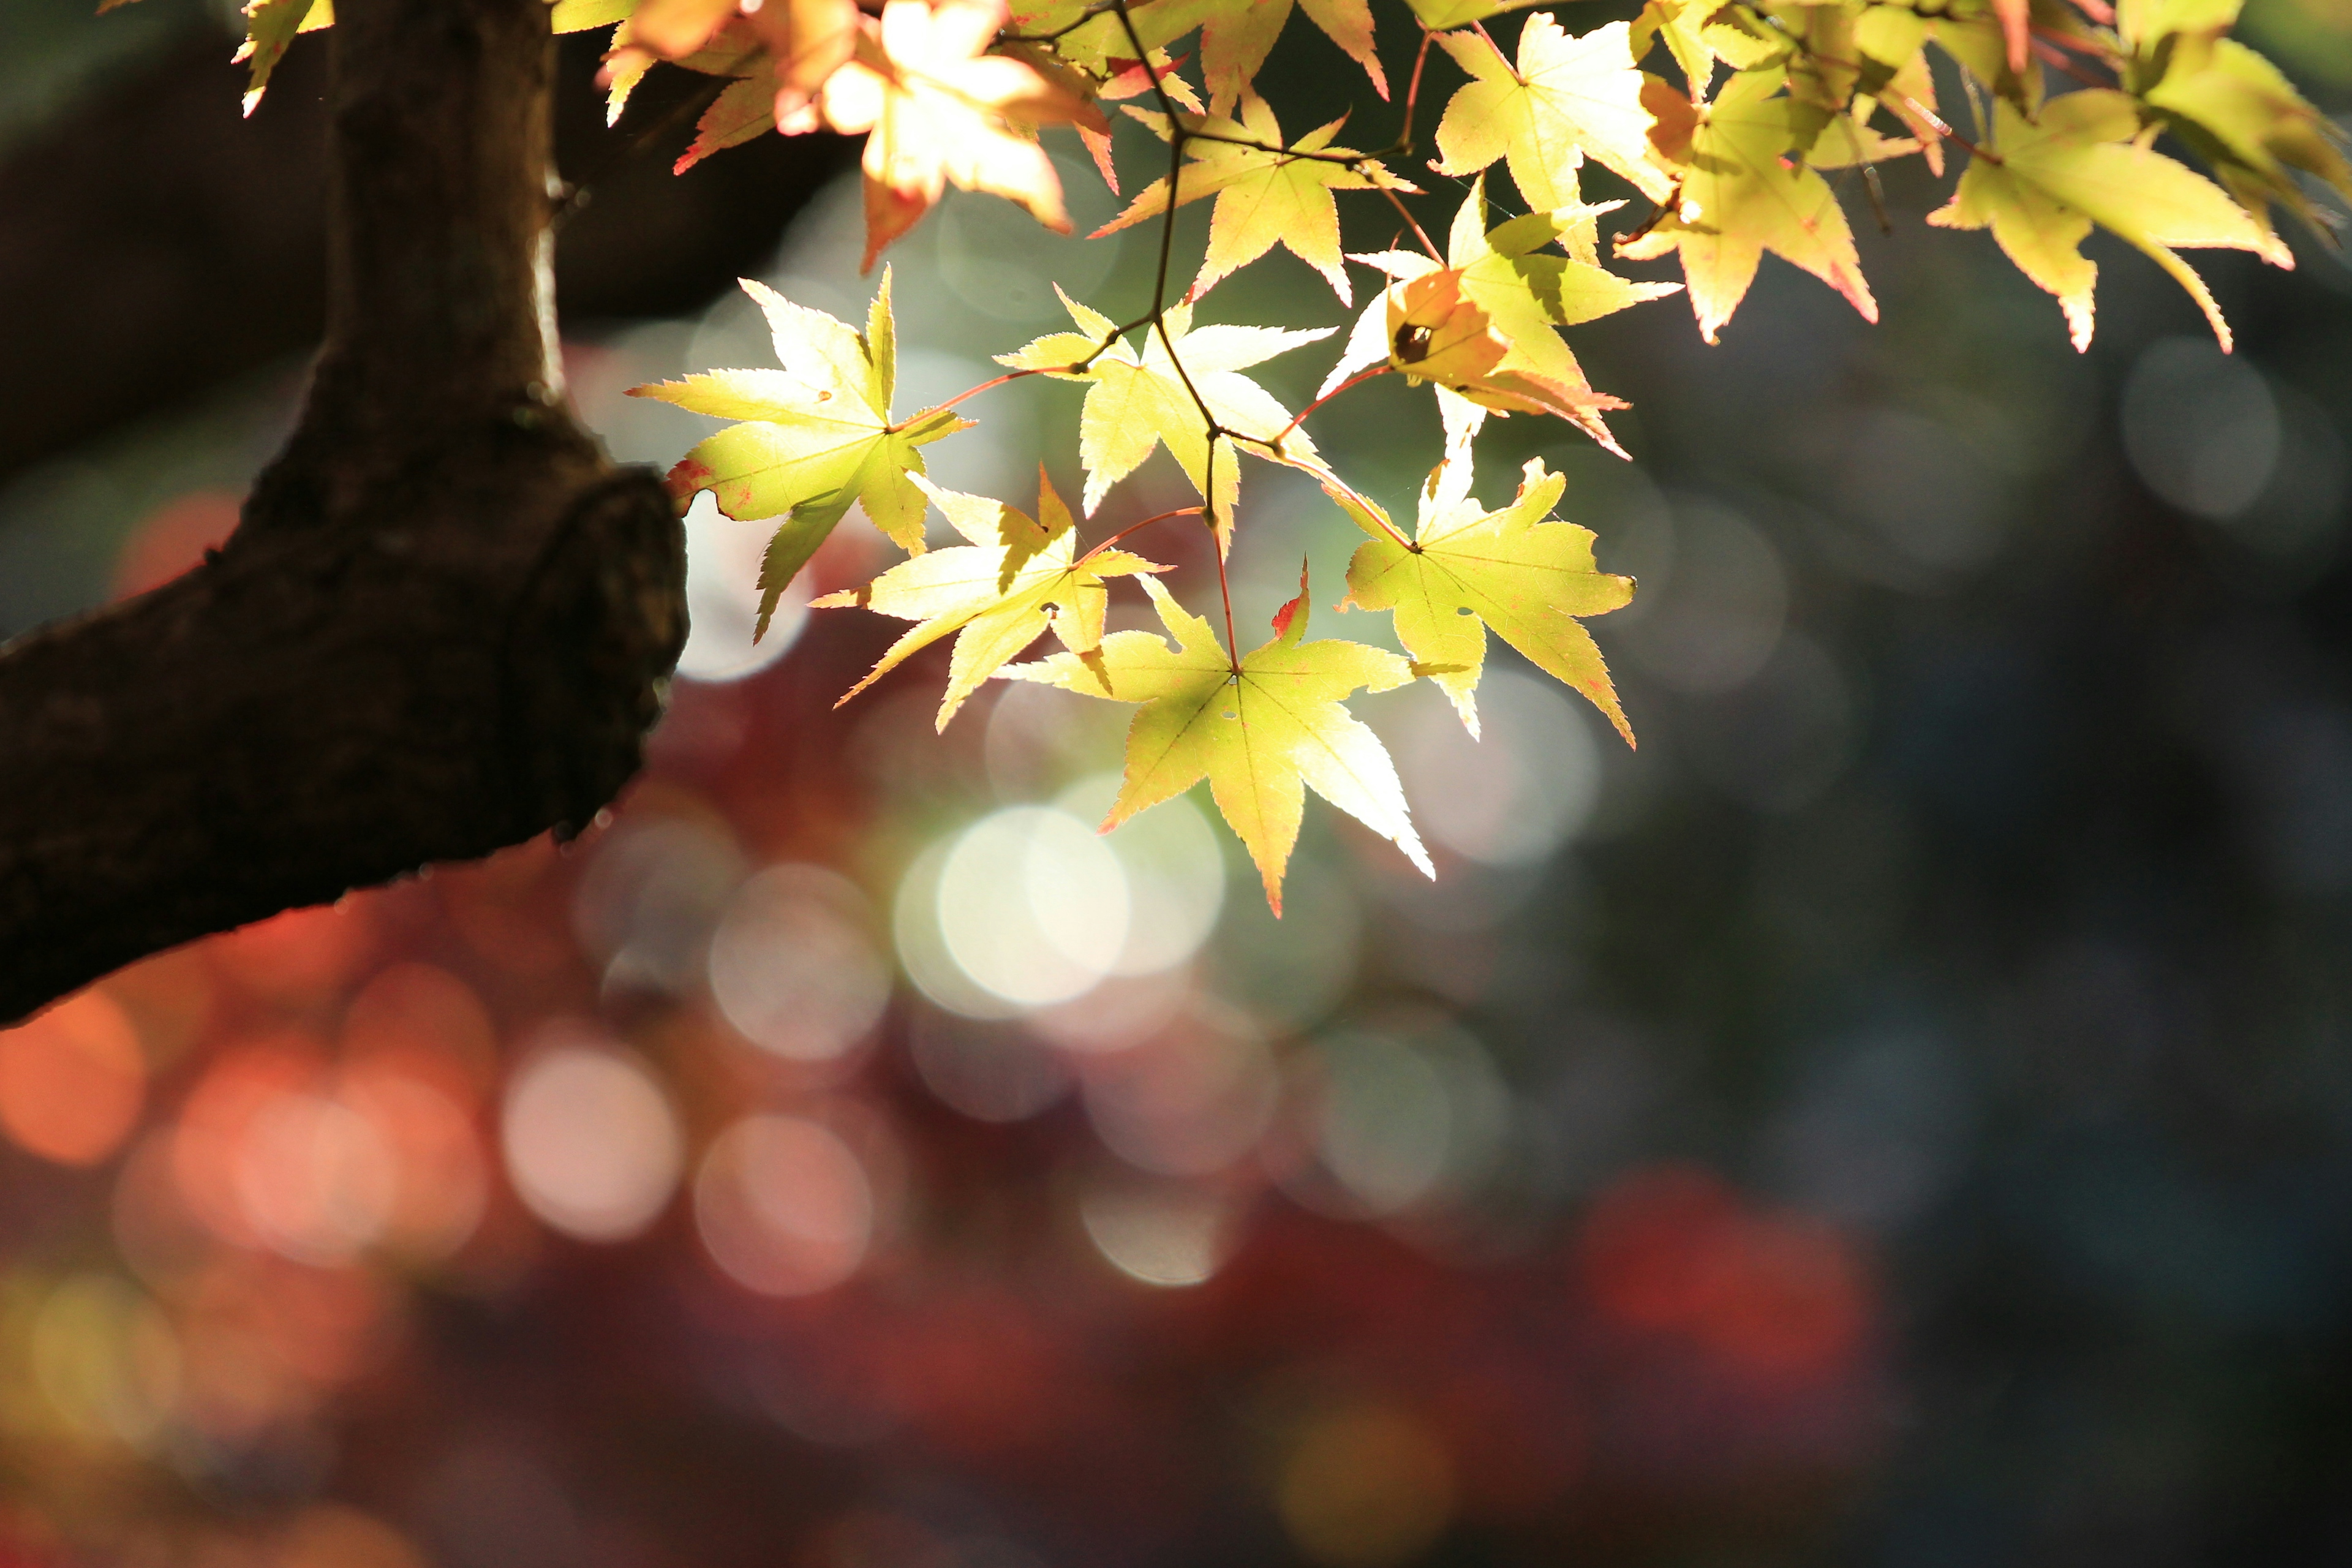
1569	97
1468	569
1262	731
1137	399
815	436
995	595
1264	198
1739	200
2081	166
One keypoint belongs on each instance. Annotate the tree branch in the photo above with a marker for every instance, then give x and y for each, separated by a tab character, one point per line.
173	247
442	625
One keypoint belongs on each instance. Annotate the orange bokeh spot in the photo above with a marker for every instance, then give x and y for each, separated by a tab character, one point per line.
427	1023
173	539
299	955
71	1080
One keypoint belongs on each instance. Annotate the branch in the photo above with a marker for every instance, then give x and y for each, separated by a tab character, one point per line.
172	247
442	625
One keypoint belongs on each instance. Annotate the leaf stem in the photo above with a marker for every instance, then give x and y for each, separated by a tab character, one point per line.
1225	586
1130	528
1177	136
1361	375
969	391
1412	93
1406	212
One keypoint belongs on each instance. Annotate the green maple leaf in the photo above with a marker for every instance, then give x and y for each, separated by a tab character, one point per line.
1136	399
1739	200
815	436
1566	99
1264	198
2047	184
1018	577
1262	733
1482	323
1468	569
2234	109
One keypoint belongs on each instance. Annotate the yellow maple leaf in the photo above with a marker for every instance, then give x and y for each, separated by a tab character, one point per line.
269	27
1018	577
1137	399
2045	184
1264	198
814	435
1468	569
1482	323
1739	200
1568	98
938	109
1262	730
1236	35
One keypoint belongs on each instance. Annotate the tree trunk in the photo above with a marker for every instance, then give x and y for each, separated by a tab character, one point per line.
442	626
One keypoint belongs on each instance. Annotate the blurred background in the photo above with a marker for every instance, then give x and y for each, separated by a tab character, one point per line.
1901	1115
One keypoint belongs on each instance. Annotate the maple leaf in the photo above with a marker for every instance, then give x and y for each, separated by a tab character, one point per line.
783	53
269	27
1482	323
2044	186
938	109
673	30
814	435
2232	107
1439	15
1262	731
1137	399
1738	199
1266	194
584	16
1236	35
744	108
1568	98
1131	78
1468	569
1017	577
731	49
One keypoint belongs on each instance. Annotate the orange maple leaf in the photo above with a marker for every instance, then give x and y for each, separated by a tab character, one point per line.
938	109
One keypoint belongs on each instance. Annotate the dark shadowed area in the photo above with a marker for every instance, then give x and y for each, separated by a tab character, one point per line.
1900	1115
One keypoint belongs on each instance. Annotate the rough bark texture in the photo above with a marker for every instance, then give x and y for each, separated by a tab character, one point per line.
442	625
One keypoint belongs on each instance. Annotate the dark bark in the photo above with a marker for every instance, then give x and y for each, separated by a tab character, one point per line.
442	625
170	245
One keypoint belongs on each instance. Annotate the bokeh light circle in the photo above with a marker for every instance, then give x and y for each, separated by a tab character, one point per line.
1032	906
72	1080
791	968
1175	871
722	596
783	1205
1165	1233
1512	796
592	1143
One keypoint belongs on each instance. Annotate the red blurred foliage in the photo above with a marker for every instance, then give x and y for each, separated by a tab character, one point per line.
1674	1250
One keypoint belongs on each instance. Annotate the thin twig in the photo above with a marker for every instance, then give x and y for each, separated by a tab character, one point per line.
1130	528
1177	135
989	386
1361	375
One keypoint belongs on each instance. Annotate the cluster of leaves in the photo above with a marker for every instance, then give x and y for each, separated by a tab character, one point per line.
1728	139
